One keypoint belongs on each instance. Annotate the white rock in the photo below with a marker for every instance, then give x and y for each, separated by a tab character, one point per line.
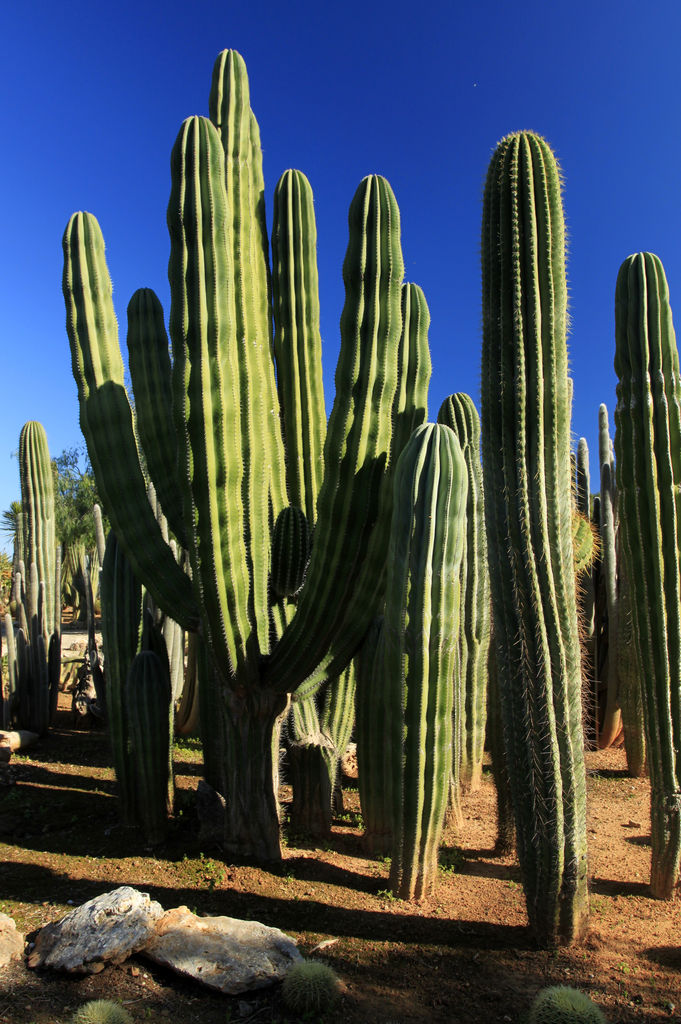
108	928
224	953
11	941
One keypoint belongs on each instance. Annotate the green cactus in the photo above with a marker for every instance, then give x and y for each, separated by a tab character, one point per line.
291	544
150	710
459	412
37	586
586	594
528	489
121	596
630	696
421	628
231	461
297	339
101	1011
647	445
611	716
562	1004
373	775
310	988
409	412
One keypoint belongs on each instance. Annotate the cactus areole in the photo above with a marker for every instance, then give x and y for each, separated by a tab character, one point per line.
528	511
223	443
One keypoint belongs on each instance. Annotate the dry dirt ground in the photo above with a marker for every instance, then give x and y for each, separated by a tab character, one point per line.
464	955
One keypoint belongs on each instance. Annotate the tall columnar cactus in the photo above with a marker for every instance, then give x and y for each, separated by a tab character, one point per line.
297	339
226	432
421	627
149	701
586	601
611	718
37	504
647	447
528	490
459	412
121	596
374	774
37	586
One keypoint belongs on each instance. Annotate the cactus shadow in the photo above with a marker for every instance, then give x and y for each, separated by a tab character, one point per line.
491	869
39	884
607	773
665	956
639	840
38	776
310	869
615	887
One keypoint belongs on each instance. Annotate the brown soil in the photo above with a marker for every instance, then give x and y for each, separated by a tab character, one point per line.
466	954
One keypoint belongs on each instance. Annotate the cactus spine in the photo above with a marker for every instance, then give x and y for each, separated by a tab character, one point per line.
459	412
647	446
231	459
421	627
527	477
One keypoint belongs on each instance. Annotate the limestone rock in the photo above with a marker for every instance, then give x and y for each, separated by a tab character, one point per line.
17	739
108	928
11	941
224	953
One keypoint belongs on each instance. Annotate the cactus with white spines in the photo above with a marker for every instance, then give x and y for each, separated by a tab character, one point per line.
647	446
527	476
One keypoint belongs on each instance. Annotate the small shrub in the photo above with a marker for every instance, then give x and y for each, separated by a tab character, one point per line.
310	987
564	1005
101	1011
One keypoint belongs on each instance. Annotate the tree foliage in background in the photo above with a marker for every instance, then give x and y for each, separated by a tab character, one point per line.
75	494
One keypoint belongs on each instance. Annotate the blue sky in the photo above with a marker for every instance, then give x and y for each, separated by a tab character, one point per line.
419	92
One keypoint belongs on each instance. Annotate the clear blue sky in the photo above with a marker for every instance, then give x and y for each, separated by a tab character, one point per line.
420	92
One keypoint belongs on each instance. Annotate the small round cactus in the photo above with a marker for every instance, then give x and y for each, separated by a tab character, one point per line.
564	1005
101	1011
310	987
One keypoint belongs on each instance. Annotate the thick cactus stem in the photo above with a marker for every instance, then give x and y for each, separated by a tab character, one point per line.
149	706
647	447
459	412
528	490
106	418
121	595
334	610
421	631
611	724
37	502
297	339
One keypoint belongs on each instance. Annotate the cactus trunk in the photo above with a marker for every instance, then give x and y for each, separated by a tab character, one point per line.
256	646
528	490
421	631
648	447
459	412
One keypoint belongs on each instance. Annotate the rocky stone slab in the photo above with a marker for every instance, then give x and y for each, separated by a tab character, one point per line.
225	953
11	941
106	929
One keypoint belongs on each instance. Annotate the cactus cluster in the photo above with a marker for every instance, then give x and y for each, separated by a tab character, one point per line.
216	436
